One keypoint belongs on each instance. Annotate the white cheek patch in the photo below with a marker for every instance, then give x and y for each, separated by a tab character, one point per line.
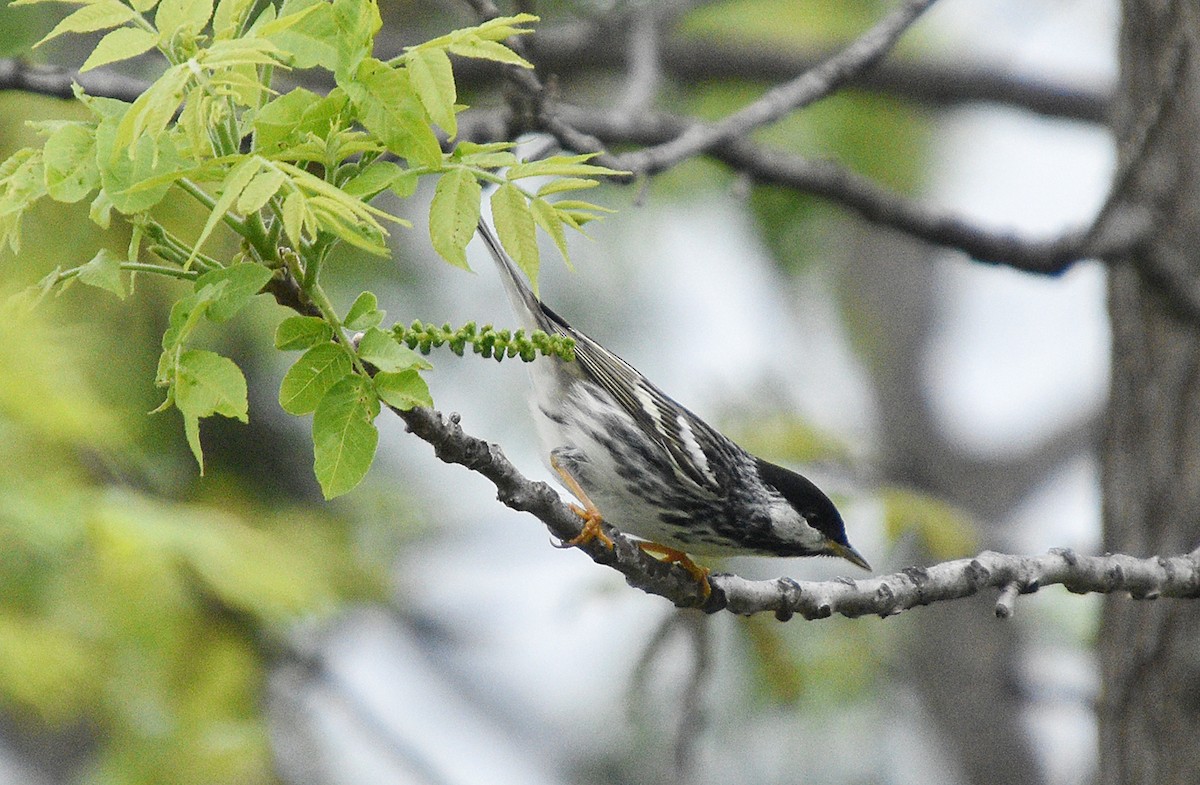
690	443
791	526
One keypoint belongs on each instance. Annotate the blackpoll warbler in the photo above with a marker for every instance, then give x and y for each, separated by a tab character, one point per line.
654	469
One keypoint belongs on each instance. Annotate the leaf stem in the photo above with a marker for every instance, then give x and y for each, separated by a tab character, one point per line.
196	192
137	267
170	248
317	297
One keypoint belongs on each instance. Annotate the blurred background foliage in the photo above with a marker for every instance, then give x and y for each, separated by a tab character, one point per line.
142	606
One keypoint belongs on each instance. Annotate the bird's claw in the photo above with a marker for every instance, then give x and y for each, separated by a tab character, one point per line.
672	556
592	528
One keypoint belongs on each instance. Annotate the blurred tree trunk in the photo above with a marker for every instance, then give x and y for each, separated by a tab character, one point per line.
1149	708
973	693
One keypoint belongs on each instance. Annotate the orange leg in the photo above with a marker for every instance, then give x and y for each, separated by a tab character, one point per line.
588	512
672	556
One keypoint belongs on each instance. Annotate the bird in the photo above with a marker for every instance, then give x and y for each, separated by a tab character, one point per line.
649	467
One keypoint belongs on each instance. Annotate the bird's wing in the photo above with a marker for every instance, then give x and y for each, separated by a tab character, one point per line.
687	440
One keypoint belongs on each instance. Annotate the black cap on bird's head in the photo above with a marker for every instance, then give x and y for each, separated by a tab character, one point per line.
816	508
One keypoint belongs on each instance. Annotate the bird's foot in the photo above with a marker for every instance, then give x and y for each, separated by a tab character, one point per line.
673	556
593	528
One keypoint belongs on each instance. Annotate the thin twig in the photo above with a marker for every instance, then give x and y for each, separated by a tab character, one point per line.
864	196
805	89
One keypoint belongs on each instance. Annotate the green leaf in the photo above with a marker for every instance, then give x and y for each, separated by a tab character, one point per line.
505	27
295	214
492	30
207	383
547	217
488	50
104	272
433	79
191	429
308	31
175	16
235	182
453	215
405	184
100	210
120	44
576	213
344	435
124	168
386	104
561	184
259	191
334	215
242	282
69	162
22	182
274	122
98	15
560	166
467	148
377	177
186	313
317	370
301	332
358	22
364	313
149	115
381	349
515	225
402	389
230	14
331	209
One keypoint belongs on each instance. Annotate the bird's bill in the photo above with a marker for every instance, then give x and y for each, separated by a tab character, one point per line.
849	554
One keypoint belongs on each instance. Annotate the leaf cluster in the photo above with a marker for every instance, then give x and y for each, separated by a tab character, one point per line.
292	178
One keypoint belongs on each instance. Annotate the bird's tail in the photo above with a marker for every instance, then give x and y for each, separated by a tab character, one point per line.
524	301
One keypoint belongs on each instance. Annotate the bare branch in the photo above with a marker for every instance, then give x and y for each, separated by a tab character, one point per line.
863	195
1177	576
885	596
805	89
568	49
588	130
57	82
1143	579
452	445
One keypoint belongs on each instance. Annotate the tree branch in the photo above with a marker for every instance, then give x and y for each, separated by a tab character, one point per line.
810	86
690	60
588	130
884	596
845	187
57	82
569	49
